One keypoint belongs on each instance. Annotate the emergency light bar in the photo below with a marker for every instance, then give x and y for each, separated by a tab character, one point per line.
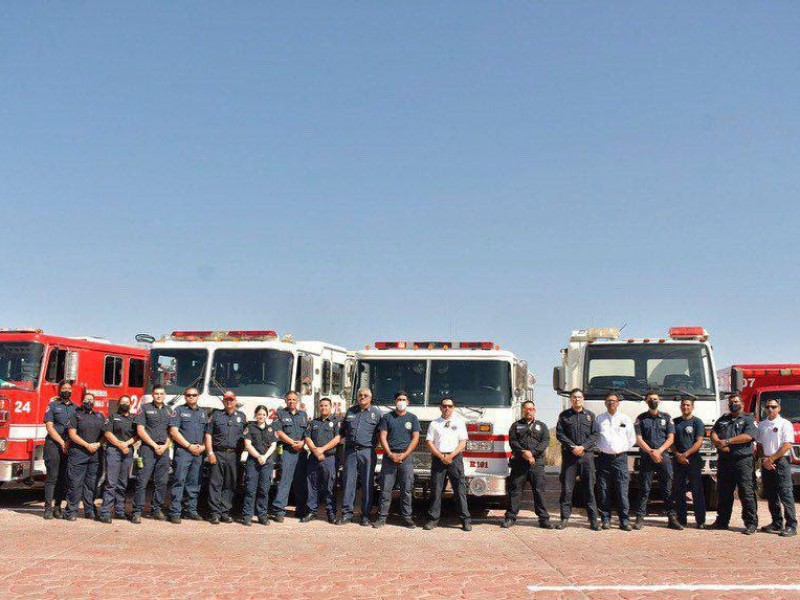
770	372
31	330
390	345
433	345
236	334
476	345
687	333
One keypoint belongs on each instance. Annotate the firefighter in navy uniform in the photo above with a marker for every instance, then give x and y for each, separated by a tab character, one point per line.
290	427
688	464
655	433
85	432
259	443
529	440
224	436
187	428
733	435
56	419
322	437
576	432
152	424
120	433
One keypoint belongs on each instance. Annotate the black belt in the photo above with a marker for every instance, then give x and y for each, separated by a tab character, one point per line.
358	447
225	450
613	455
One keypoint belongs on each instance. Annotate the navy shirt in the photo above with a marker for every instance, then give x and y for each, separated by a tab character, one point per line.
155	421
687	431
533	436
122	426
399	429
576	429
321	431
261	438
654	429
729	426
359	426
293	425
191	422
59	413
88	426
226	430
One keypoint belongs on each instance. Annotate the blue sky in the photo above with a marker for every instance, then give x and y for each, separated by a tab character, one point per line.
354	172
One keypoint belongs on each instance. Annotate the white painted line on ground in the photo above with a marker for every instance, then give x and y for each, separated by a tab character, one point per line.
677	587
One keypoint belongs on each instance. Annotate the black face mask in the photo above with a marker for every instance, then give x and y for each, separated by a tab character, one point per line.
65	395
734	408
652	404
88	405
124	408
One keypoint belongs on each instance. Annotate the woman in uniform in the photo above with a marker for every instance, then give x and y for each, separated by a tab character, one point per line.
85	431
260	443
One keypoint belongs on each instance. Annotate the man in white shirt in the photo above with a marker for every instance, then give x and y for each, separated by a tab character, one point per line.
615	437
446	439
775	438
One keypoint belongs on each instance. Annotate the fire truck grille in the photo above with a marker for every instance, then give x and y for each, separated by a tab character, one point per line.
421	456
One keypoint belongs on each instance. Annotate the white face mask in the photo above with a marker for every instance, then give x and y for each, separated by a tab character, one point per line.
402	405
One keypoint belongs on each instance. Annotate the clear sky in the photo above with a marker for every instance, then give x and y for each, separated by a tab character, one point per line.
360	171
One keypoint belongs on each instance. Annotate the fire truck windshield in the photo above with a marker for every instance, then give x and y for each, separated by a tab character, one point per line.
474	383
178	368
790	404
670	369
252	372
20	364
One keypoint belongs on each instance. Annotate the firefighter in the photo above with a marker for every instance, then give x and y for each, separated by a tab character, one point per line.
775	438
616	437
120	433
224	435
576	432
733	435
399	435
56	419
688	465
85	432
655	433
290	425
187	427
359	432
152	425
322	437
446	440
529	440
259	443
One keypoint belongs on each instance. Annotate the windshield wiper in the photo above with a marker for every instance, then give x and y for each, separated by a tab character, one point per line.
479	411
620	389
679	391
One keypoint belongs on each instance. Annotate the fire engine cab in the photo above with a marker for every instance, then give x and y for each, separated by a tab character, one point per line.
681	364
258	366
758	383
32	364
488	385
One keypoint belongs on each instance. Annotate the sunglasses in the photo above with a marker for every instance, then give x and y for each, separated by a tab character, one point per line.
448	405
191	395
772	406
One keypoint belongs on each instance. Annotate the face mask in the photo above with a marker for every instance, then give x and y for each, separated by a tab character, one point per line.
733	407
124	408
88	405
402	405
65	395
652	404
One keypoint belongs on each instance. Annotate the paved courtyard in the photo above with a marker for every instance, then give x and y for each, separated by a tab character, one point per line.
84	559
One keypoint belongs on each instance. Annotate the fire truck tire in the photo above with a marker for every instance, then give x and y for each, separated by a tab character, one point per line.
711	493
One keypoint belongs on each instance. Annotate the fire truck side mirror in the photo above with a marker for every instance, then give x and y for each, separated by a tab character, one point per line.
558	379
306	374
71	366
521	378
144	338
349	374
737	380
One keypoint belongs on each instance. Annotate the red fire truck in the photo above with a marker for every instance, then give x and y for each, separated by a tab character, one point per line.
759	383
31	365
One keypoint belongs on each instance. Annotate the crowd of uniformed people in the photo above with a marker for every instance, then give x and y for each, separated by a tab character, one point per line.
594	451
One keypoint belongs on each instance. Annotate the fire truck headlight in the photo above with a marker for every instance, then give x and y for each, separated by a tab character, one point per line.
480	446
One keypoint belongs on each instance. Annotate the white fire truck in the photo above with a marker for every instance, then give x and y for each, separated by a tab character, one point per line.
681	364
258	366
488	385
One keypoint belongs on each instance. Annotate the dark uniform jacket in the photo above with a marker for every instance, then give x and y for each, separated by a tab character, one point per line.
533	436
576	429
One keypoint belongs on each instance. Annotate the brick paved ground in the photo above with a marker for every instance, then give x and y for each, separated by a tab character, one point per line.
57	559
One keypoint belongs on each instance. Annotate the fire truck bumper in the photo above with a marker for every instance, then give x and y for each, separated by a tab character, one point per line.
477	485
13	471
